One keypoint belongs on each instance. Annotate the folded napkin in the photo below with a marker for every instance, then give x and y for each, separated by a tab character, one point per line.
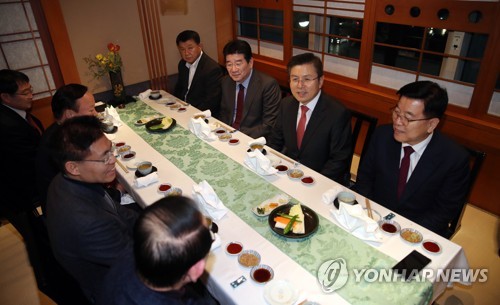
201	129
208	201
257	162
113	114
126	199
144	95
146	180
259	141
207	113
329	196
356	221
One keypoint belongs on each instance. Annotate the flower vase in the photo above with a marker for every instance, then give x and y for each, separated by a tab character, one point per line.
119	95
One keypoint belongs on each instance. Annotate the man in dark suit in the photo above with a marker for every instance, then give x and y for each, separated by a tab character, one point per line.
430	184
88	228
312	127
69	101
200	76
20	134
257	94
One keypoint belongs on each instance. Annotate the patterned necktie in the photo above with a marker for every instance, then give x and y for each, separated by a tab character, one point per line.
301	128
239	107
29	119
403	170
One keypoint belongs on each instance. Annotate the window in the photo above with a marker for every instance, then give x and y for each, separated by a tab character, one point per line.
21	46
382	45
332	30
494	108
262	29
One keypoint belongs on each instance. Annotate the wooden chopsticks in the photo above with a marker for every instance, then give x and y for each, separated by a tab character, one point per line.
369	208
122	166
282	156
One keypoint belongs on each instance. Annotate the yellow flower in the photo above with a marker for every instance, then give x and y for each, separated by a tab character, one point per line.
101	65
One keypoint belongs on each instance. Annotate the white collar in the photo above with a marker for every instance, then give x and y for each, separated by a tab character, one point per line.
195	63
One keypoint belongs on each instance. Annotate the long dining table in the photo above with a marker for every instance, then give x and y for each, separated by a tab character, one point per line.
184	160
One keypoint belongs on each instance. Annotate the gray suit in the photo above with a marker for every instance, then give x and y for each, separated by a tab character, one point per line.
262	100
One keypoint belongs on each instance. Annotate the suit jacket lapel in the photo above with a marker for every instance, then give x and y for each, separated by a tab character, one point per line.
198	69
393	161
292	122
231	89
250	93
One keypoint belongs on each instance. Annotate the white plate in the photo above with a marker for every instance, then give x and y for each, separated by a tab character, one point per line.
144	120
132	164
279	199
280	292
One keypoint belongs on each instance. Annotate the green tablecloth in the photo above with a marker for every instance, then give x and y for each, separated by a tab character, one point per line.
240	189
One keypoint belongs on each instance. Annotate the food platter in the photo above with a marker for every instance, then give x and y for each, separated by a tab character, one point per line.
270	204
311	221
160	124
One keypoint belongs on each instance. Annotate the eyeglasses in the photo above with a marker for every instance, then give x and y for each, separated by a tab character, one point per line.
237	64
396	113
305	81
107	159
26	92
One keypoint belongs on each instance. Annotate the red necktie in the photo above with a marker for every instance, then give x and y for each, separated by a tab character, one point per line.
403	170
301	128
239	107
33	124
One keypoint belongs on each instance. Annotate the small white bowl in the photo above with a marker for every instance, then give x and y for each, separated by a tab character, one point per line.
245	258
164	188
307	180
390	227
128	156
431	246
295	173
119	144
234	248
234	141
145	167
174	191
282	169
155	94
411	236
262	274
219	131
225	137
123	150
347	197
